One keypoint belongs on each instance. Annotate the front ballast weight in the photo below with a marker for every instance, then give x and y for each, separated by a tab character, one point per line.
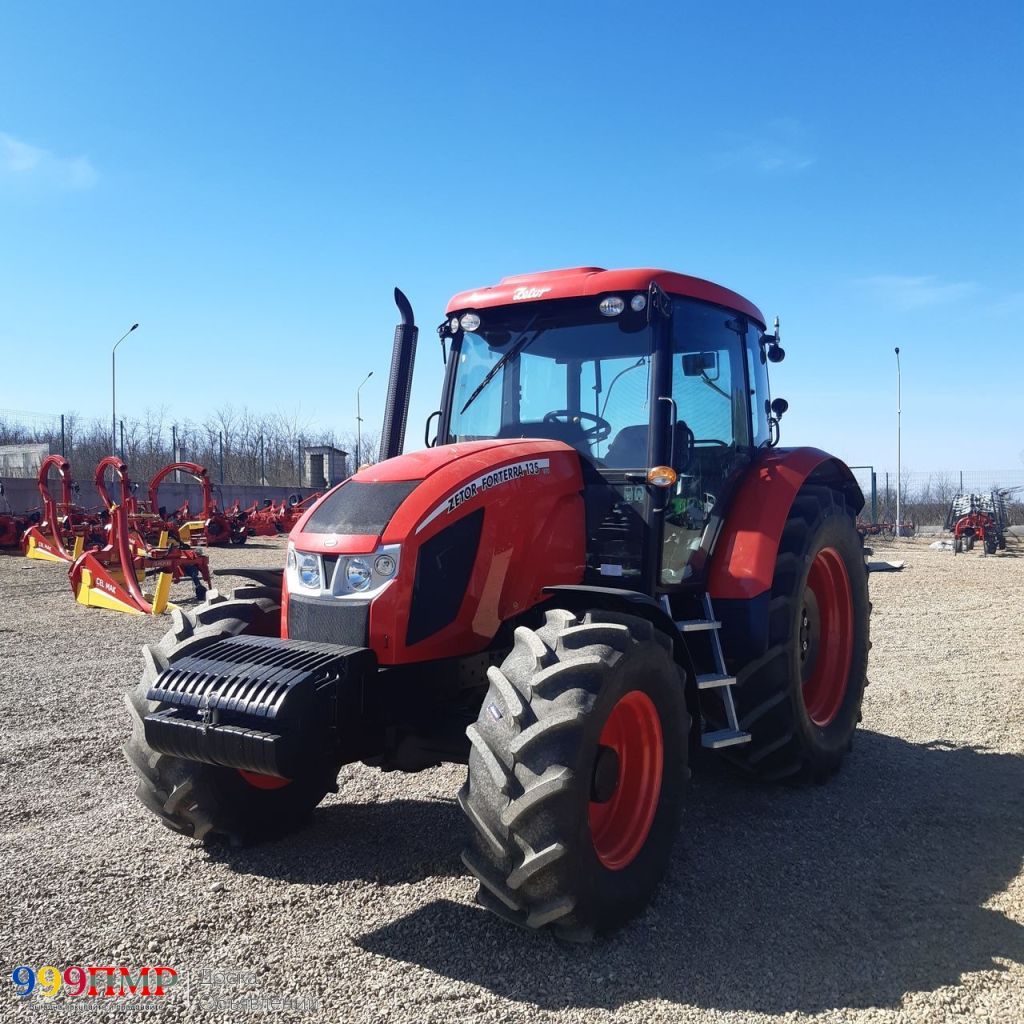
258	704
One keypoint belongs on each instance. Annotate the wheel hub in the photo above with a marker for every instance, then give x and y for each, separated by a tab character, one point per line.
605	778
626	780
825	636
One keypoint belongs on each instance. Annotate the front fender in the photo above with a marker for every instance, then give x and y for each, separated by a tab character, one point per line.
743	562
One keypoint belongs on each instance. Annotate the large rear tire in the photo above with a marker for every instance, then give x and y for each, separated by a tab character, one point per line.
801	701
576	773
201	800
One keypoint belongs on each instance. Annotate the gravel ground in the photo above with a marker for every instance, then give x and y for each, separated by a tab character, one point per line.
894	893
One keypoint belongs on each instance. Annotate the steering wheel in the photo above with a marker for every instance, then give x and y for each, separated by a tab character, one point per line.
600	431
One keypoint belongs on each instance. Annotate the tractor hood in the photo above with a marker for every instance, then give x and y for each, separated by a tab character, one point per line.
386	502
429	553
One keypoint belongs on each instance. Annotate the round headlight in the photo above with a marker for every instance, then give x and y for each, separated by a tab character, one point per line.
357	572
470	322
384	565
309	571
637	303
611	306
453	324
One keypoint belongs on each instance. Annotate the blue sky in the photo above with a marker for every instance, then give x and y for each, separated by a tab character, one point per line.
249	181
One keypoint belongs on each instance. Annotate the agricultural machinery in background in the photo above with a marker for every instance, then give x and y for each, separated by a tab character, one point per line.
976	518
111	576
66	529
601	557
886	529
213	526
13	524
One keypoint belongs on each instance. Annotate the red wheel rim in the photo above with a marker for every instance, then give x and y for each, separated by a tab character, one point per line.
619	826
258	781
830	647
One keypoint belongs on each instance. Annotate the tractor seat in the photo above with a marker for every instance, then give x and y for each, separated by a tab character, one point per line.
628	449
571	433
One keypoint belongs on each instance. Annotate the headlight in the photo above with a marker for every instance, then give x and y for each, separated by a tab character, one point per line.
384	565
358	574
292	561
309	571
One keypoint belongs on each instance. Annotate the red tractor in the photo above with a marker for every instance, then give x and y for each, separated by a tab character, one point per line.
601	558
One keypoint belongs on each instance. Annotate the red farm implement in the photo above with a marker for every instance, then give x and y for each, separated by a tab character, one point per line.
886	529
13	524
292	511
213	525
978	517
263	521
112	576
66	528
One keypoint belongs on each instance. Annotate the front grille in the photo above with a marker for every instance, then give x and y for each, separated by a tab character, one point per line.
330	621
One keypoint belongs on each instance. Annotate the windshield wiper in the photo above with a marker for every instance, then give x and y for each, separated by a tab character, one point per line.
517	346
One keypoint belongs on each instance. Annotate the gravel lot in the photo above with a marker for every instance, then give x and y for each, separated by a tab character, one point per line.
894	893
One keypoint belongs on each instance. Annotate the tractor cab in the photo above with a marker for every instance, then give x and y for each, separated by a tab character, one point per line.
658	380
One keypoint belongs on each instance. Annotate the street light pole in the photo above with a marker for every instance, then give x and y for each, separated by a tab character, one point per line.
899	462
359	424
113	389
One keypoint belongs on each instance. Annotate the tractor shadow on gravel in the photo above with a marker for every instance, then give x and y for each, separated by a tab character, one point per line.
779	899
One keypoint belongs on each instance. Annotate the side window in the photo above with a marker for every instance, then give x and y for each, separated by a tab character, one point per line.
757	374
483	417
708	375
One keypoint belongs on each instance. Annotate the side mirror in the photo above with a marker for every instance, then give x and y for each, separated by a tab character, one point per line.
776	353
429	441
779	407
695	364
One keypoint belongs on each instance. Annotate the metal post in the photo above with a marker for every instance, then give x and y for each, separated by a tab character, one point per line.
263	463
874	497
301	467
174	451
887	498
113	389
899	462
221	435
359	425
122	440
63	446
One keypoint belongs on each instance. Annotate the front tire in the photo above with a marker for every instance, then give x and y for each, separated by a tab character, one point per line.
207	801
576	773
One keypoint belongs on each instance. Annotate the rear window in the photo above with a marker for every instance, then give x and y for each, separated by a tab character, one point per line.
359	508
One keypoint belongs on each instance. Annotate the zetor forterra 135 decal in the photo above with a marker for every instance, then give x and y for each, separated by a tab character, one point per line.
602	557
529	467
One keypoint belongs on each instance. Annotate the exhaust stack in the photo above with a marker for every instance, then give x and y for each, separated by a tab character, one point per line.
396	411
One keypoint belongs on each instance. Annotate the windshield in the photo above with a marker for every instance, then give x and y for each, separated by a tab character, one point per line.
559	370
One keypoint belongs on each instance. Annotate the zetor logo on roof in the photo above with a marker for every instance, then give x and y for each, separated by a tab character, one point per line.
528	293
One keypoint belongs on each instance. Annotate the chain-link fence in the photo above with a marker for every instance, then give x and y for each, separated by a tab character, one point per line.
925	497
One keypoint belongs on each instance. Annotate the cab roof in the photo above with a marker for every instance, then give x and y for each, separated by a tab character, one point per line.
579	282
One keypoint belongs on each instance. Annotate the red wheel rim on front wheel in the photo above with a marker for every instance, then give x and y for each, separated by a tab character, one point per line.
619	826
258	781
825	686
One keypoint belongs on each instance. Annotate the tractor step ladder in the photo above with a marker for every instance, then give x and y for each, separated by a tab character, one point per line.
717	680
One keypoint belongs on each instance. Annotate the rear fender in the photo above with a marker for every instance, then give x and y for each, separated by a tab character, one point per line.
743	562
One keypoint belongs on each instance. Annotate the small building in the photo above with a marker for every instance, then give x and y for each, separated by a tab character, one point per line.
323	466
